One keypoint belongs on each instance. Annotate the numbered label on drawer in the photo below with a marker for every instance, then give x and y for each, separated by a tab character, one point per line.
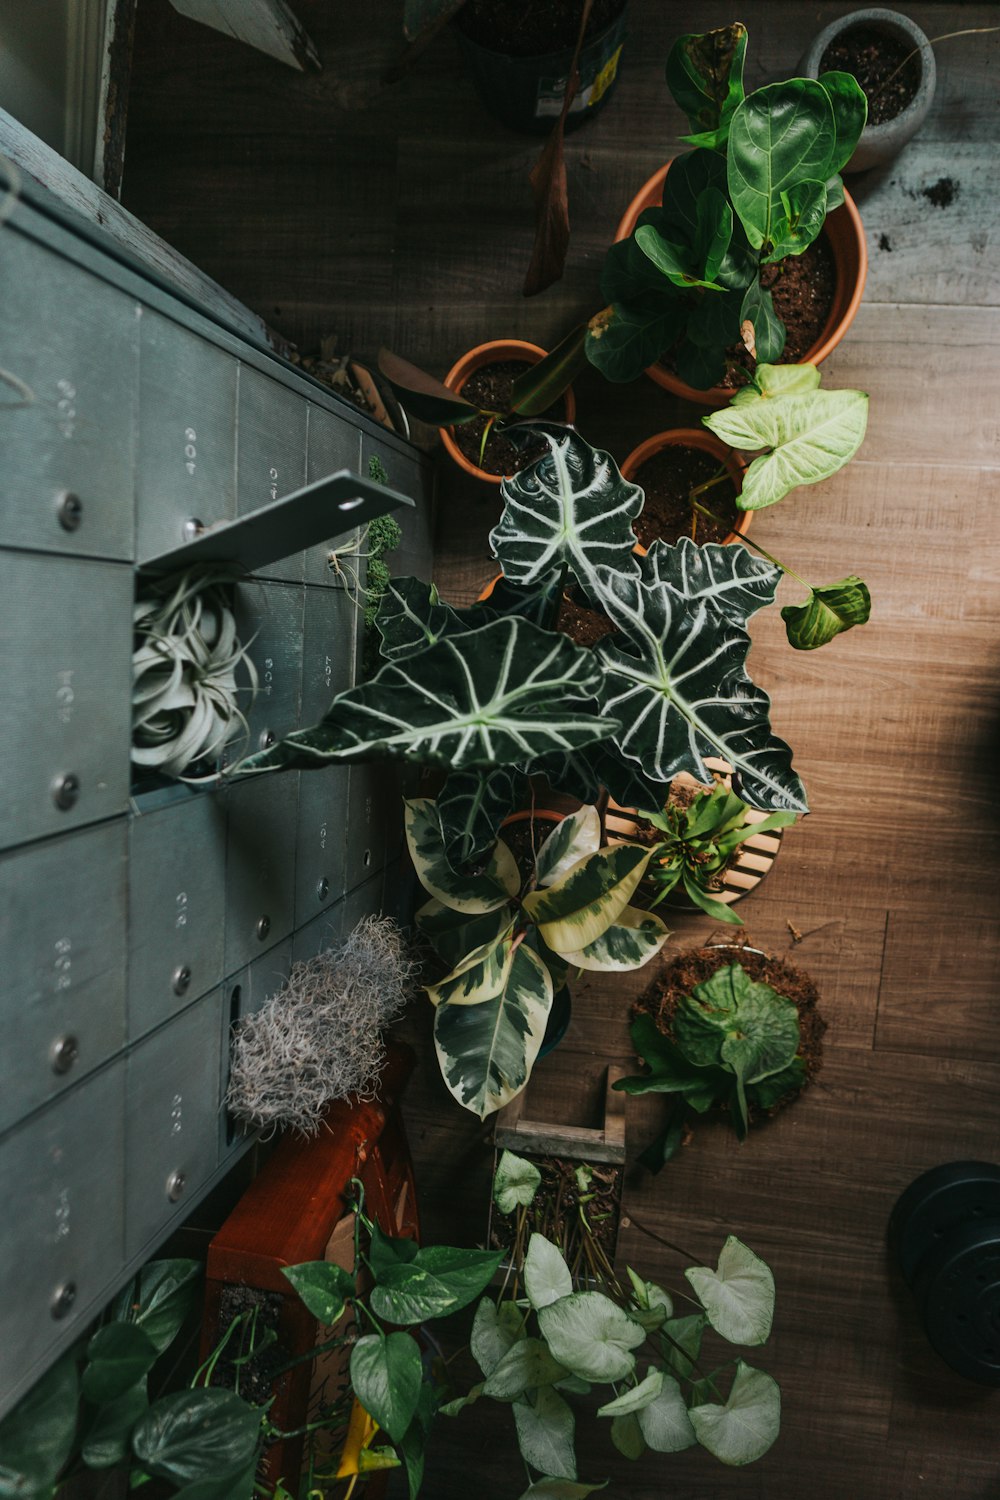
271	453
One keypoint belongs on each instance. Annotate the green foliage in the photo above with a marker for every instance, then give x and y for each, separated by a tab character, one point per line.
735	1042
507	942
700	839
756	188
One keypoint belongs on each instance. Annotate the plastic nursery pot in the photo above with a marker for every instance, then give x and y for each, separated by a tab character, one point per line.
880	143
498	351
846	237
526	93
705	442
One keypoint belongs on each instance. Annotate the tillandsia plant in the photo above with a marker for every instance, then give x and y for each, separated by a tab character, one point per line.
533	392
508	941
756	188
542	1348
185	694
496	694
733	1042
700	838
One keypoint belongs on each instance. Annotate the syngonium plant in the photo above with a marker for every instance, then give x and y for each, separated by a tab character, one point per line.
756	188
495	693
508	942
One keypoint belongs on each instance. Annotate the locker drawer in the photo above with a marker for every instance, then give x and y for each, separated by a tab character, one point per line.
172	1120
333	444
66	724
333	624
270	453
260	866
322	834
177	877
62	934
69	454
61	1184
374	821
187	435
269	623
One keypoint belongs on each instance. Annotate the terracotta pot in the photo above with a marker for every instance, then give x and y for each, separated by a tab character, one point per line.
495	352
846	236
706	442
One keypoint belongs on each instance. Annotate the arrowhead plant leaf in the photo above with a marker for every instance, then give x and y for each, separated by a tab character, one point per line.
738	1296
744	1428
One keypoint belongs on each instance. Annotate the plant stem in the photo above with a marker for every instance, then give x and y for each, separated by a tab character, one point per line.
651	1233
944	37
757	548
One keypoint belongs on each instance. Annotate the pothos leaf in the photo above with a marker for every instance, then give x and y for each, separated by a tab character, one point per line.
828	612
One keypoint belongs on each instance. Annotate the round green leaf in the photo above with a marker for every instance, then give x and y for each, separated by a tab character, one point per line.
546	1275
118	1356
592	1336
745	1427
323	1287
386	1375
438	1280
160	1298
194	1435
738	1295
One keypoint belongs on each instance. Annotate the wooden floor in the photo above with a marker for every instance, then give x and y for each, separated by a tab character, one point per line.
335	204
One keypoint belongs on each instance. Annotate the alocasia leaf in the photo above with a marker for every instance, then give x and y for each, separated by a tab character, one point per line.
729	578
471	807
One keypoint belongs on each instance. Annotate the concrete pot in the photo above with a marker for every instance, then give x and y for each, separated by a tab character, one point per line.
880	143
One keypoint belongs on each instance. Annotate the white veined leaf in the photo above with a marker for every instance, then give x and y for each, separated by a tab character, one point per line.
560	1489
738	1295
664	1422
777	380
728	577
626	1434
592	1336
580	907
469	893
495	1330
631	941
515	1181
635	1399
808	437
546	1274
527	1365
545	1431
486	1051
745	1427
570	841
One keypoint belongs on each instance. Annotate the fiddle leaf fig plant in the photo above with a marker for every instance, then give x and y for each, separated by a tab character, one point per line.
509	941
757	187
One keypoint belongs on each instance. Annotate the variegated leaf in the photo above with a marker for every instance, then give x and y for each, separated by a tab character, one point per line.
486	1052
631	941
475	894
479	976
676	677
580	908
471	806
501	695
809	436
570	841
452	934
729	578
569	509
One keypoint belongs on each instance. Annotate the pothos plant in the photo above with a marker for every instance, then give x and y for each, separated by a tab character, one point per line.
545	1343
495	693
756	188
509	942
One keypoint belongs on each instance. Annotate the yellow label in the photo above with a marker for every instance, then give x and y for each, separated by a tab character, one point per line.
605	78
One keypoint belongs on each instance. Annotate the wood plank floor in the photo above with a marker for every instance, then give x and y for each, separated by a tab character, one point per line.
401	215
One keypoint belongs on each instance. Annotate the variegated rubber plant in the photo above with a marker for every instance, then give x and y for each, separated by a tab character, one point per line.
509	943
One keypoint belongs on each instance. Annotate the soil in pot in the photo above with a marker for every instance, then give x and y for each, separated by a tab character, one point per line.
573	1197
490	387
884	65
668	479
532	28
692	967
583	626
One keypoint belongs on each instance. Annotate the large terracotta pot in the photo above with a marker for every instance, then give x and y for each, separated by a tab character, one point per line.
707	442
846	236
497	351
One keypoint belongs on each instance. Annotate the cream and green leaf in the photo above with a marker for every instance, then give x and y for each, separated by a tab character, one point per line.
474	893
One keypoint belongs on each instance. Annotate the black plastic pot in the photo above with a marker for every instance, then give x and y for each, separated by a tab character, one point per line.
945	1229
526	93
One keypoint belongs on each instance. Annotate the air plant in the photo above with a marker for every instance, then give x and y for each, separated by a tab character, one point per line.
184	687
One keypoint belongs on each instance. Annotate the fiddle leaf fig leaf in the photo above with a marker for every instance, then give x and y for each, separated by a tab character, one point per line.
738	1296
828	612
804	207
705	76
745	1427
626	338
675	676
471	807
850	112
572	839
631	941
664	1421
779	136
472	894
486	1051
807	436
546	1274
570	509
515	1183
757	309
500	695
545	1429
592	1336
579	908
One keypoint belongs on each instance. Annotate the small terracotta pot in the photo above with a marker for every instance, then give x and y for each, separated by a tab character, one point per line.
846	236
706	442
498	351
